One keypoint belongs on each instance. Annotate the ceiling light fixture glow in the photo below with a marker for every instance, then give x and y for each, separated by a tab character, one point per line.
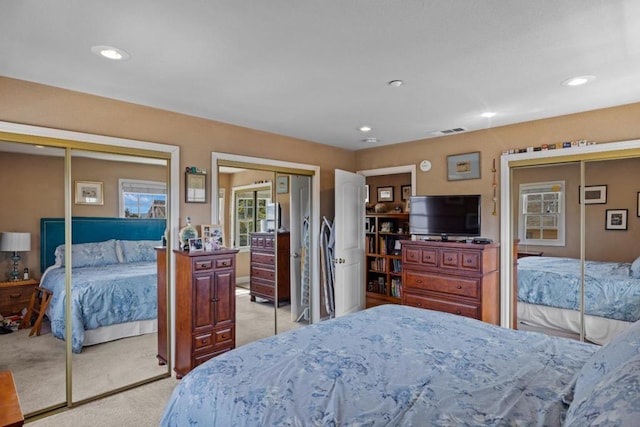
488	114
578	81
370	140
396	83
365	128
111	52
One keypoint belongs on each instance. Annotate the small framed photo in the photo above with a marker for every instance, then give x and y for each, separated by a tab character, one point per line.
195	187
593	194
463	166
406	192
213	235
196	245
282	184
366	194
616	219
89	193
385	194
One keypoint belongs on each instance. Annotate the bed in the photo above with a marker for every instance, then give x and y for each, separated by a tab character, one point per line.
548	296
114	277
398	365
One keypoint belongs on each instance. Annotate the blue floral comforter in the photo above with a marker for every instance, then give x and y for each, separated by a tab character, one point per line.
388	365
610	290
102	296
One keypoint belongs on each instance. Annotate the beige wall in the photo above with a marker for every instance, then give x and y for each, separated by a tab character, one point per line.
606	125
620	177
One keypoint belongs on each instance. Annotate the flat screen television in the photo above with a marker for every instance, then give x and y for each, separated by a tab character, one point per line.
456	215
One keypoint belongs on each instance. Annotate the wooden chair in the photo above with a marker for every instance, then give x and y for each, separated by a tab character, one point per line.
40	299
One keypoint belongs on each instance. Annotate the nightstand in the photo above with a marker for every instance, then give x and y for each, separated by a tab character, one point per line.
14	296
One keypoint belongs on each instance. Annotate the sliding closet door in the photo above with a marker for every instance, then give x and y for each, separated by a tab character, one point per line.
32	187
114	289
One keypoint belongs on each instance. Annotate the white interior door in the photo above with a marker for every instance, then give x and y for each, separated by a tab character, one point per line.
349	231
300	208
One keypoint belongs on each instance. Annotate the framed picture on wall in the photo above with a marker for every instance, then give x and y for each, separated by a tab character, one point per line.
463	166
385	194
616	219
89	193
593	194
195	187
406	192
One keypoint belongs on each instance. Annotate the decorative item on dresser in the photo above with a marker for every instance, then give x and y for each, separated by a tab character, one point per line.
14	243
205	307
458	278
16	296
264	269
383	277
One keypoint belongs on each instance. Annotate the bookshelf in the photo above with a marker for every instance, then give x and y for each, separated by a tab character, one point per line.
383	278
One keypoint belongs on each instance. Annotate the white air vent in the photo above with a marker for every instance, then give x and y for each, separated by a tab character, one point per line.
448	131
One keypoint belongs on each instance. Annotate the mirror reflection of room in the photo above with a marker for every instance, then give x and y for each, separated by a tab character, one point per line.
548	269
108	352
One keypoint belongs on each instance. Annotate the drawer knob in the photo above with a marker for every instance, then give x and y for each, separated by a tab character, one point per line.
449	259
204	341
459	286
458	312
419	281
214	299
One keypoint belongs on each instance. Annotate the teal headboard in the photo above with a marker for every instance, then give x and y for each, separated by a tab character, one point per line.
94	229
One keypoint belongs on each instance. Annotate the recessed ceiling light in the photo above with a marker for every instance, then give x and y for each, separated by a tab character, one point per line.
578	81
111	52
370	140
488	114
365	128
39	146
396	83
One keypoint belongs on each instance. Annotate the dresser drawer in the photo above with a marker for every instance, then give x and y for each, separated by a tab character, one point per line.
264	273
462	286
199	359
462	309
14	298
262	258
263	289
223	336
421	257
464	260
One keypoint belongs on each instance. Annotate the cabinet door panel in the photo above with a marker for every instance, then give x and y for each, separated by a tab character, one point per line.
225	296
203	301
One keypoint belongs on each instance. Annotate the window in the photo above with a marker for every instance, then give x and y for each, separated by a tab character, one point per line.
542	213
250	204
142	199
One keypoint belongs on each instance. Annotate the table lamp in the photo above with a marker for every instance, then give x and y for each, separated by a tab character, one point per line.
15	242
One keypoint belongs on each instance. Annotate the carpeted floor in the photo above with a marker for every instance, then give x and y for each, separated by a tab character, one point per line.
38	367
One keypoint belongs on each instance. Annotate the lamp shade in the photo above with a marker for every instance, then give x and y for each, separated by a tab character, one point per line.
15	242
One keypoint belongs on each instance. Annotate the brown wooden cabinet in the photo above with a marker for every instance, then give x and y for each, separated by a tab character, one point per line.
16	295
264	269
383	278
205	307
458	278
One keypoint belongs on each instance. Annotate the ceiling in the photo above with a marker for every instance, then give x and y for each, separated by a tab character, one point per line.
318	70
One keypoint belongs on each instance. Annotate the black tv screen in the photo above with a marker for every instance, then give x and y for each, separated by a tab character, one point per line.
445	215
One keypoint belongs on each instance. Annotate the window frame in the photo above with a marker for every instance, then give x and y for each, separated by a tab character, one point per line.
122	182
235	232
545	188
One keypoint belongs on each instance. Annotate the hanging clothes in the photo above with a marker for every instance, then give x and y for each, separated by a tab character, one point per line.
327	255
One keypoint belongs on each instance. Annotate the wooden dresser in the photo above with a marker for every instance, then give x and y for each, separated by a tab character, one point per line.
16	295
10	411
205	312
458	278
264	268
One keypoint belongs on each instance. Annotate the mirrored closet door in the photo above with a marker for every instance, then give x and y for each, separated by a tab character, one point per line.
32	183
73	204
577	227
